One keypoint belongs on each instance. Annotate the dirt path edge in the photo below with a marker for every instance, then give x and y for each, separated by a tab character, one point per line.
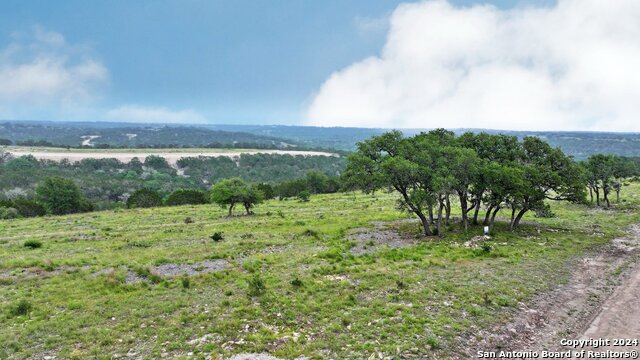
566	311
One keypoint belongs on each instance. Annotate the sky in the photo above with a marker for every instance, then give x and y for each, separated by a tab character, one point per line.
521	65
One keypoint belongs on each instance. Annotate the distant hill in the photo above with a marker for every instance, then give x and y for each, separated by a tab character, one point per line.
132	135
576	143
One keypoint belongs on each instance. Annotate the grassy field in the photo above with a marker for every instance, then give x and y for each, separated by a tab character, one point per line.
294	279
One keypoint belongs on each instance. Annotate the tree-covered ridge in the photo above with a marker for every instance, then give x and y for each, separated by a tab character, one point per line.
141	136
578	144
107	182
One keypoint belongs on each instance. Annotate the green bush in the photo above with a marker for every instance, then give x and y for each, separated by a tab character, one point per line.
304	196
61	196
545	212
257	286
32	244
22	307
296	282
29	208
187	197
217	236
8	213
144	198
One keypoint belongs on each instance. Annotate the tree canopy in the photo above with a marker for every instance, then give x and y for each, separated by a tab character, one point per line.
428	170
234	191
61	196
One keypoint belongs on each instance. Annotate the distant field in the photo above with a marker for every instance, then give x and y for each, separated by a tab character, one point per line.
342	276
125	155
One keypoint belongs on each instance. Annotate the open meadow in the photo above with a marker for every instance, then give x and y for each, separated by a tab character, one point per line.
342	276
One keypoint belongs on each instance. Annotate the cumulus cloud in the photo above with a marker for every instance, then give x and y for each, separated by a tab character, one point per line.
571	66
40	69
143	114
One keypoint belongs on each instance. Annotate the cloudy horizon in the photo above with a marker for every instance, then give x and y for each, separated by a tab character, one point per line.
507	65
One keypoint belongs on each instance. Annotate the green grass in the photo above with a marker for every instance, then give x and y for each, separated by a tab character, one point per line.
292	287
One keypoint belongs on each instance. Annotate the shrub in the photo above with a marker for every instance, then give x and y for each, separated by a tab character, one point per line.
217	236
310	233
188	220
187	197
61	196
186	283
257	286
304	196
545	212
32	244
433	342
28	208
296	282
22	307
267	190
144	198
8	213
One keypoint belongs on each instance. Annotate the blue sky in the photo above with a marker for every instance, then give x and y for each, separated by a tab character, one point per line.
230	61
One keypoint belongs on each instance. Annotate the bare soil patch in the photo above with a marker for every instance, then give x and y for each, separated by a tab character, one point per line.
170	270
207	266
370	240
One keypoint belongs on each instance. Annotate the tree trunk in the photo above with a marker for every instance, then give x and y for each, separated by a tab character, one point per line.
463	207
591	193
516	221
617	195
231	208
440	206
447	209
476	211
493	217
425	224
597	196
487	215
513	213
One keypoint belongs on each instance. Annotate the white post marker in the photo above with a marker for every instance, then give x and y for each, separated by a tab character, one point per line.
486	230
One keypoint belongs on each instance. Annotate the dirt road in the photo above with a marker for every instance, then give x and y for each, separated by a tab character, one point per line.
600	300
620	314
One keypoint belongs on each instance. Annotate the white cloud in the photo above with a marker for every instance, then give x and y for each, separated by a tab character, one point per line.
572	66
135	113
40	70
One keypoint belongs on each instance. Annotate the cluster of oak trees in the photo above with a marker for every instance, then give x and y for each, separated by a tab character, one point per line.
494	172
606	173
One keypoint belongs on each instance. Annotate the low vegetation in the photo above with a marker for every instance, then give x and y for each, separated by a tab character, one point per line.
287	280
302	272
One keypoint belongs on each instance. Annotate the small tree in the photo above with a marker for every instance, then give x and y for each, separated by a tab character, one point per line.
267	190
144	198
187	197
61	196
231	192
304	196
